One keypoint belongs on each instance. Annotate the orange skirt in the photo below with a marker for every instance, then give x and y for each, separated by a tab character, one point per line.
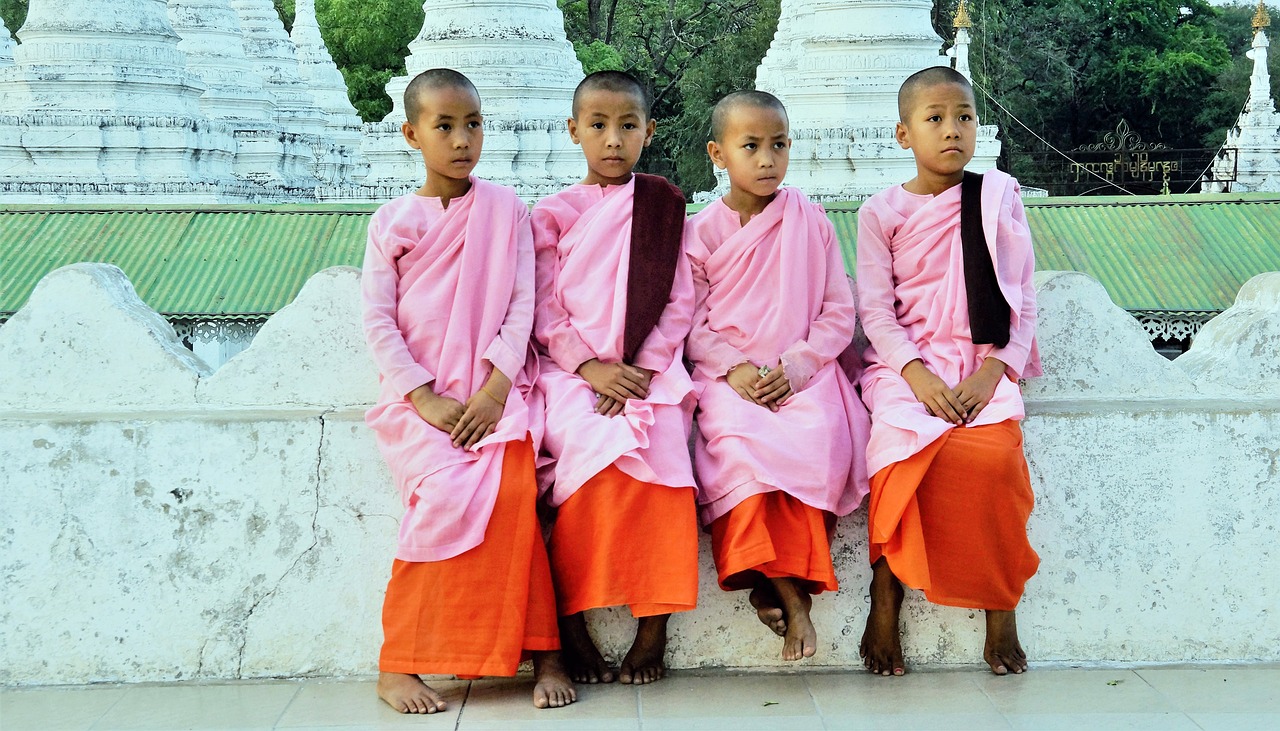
952	519
778	536
481	612
618	541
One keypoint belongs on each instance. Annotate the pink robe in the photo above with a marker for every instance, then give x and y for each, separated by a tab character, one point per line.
775	290
912	302
582	241
448	296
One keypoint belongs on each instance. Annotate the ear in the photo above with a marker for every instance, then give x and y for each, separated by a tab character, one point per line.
901	134
410	136
572	124
716	154
649	129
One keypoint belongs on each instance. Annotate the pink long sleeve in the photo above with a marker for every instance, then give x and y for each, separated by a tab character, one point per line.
664	343
876	297
379	282
554	334
508	350
832	331
1022	329
707	348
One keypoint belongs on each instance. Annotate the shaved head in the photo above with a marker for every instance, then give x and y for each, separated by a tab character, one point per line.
431	80
616	81
748	99
909	93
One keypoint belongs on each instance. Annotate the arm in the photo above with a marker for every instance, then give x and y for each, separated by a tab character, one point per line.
508	350
706	348
553	332
832	331
876	295
379	289
1022	325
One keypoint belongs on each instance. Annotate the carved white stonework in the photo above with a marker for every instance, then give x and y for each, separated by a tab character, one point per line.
100	98
516	53
960	49
325	82
6	45
837	65
1256	136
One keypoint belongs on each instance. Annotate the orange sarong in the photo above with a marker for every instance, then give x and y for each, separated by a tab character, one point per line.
951	520
481	612
618	540
776	535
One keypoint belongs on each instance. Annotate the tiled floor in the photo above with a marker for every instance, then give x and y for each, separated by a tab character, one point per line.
1211	697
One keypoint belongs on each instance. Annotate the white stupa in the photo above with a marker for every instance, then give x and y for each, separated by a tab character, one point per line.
325	82
213	42
6	46
99	104
1255	139
517	55
837	66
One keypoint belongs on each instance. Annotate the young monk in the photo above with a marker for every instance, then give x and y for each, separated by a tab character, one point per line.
951	319
781	432
448	307
614	304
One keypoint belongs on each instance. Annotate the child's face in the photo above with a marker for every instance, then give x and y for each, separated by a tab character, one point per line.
448	132
940	130
613	128
754	148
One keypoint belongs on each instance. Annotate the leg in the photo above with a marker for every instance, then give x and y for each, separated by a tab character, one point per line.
581	657
1002	651
645	661
768	606
801	639
408	694
881	648
552	687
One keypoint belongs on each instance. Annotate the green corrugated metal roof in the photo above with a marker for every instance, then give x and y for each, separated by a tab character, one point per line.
1151	253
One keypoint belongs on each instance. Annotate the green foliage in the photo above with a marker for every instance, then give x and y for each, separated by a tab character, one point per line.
13	13
369	41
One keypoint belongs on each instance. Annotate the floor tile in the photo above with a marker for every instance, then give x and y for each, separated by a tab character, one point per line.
1237	721
330	703
511	701
1173	721
1218	690
240	706
732	723
849	694
736	698
56	709
908	721
1072	691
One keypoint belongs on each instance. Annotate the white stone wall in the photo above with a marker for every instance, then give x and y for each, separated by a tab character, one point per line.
159	521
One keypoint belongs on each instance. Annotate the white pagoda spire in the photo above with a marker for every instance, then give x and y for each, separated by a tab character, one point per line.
317	68
837	65
1252	149
960	49
99	102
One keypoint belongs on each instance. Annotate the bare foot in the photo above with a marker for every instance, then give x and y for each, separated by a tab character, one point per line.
768	607
881	648
801	639
645	661
1002	651
579	654
408	694
552	687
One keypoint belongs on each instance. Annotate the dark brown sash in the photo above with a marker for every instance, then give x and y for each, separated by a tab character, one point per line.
657	225
989	311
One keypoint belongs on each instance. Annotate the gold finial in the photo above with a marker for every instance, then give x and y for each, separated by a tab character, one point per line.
961	20
1261	19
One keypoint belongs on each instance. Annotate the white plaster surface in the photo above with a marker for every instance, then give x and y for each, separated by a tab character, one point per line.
244	527
1239	350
